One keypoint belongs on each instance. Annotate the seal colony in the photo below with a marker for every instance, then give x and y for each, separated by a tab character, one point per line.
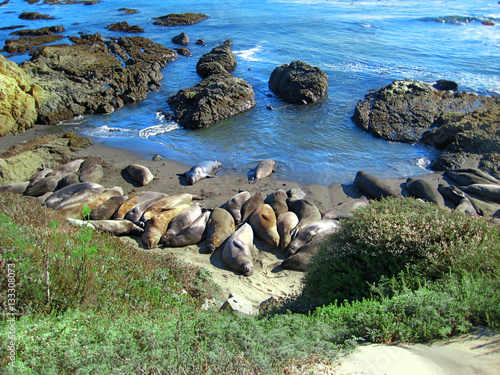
283	222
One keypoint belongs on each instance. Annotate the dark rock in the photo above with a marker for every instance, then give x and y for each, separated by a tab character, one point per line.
37	32
33	16
201	42
12	27
228	42
125	27
95	75
444	84
403	110
299	83
128	10
215	98
219	60
21	45
183	19
183	51
182	39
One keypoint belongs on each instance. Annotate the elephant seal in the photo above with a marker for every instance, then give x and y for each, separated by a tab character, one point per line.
219	227
70	167
157	226
306	211
133	200
18	188
43	185
237	251
373	186
167	203
140	174
190	235
263	169
490	191
277	201
301	260
458	198
118	227
39	175
181	221
286	224
91	170
69	179
90	201
201	170
251	205
235	205
419	188
469	176
68	191
263	223
106	210
145	201
344	210
307	233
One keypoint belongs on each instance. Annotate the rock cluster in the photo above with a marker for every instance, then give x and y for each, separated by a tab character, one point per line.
125	27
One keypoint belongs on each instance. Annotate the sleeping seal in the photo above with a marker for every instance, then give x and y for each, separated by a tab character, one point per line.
106	210
286	224
139	174
219	227
237	251
181	221
120	227
251	205
263	223
373	186
201	170
306	211
190	235
307	233
157	226
419	188
277	201
344	210
491	191
235	205
263	169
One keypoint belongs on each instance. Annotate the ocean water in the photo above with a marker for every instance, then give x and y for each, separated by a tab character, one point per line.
360	45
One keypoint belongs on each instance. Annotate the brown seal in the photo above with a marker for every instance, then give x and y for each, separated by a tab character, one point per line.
237	251
140	174
263	223
235	205
286	224
157	226
277	201
251	205
90	201
192	234
264	168
219	227
181	221
167	203
422	189
143	203
118	227
373	186
106	210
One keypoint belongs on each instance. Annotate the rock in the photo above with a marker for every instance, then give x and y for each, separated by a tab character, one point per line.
201	42
239	304
128	10
183	19
125	27
182	39
18	98
94	75
33	16
37	32
444	84
295	194
21	45
183	51
219	60
404	110
299	83
215	98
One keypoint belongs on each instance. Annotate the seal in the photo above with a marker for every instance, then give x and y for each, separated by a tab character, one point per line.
39	175
90	201
192	234
167	203
43	185
69	179
200	171
235	204
301	260
133	200
263	223
419	188
157	226
237	251
305	210
277	201
286	224
219	227
70	167
140	174
106	210
373	186
145	201
118	227
17	188
251	205
307	233
344	210
68	191
181	222
458	198
470	176
91	170
262	170
490	191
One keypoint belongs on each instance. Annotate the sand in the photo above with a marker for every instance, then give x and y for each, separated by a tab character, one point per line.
477	353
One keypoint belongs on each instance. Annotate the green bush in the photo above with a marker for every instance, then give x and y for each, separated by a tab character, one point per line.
394	235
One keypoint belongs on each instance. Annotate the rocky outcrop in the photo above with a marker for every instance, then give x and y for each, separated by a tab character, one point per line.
34	16
183	19
463	125
24	44
41	31
215	98
18	98
219	60
95	75
182	39
298	83
125	27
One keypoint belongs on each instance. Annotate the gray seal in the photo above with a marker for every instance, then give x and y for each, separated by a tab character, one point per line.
277	201
491	191
344	210
301	260
469	176
192	234
237	251
235	204
181	222
219	227
373	186
106	210
286	224
262	170
91	170
118	227
68	191
307	233
17	188
458	198
201	170
419	188
306	211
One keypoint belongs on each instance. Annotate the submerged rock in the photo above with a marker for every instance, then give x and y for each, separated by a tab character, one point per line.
299	83
182	19
33	16
125	27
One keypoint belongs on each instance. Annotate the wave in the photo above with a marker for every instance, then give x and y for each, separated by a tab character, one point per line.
158	129
107	131
460	20
249	54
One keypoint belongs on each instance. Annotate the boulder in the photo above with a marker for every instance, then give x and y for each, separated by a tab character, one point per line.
94	75
24	44
298	83
215	98
125	27
218	61
182	39
18	98
34	16
182	19
239	304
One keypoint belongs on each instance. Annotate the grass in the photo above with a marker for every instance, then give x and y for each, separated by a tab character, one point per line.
106	307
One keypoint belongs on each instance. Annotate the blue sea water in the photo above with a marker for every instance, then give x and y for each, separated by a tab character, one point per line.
360	44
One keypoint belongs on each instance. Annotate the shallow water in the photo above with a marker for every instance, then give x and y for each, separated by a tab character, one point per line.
361	45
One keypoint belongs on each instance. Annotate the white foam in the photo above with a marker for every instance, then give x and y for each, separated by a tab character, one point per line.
249	54
107	132
158	129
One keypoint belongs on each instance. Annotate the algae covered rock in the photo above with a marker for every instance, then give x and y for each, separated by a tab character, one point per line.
299	83
182	19
219	60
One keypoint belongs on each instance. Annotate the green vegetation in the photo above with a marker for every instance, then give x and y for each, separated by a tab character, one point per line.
398	270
